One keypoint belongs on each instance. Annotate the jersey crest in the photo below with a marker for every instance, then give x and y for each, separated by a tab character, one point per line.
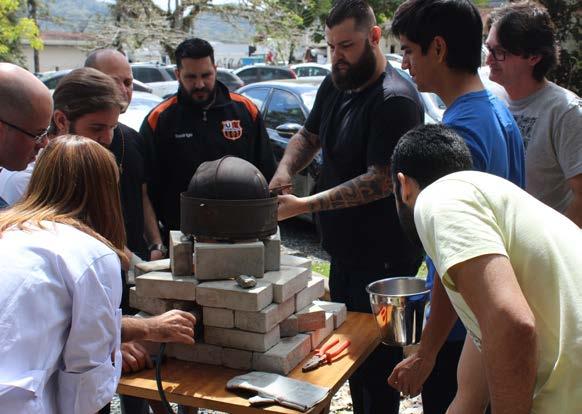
232	129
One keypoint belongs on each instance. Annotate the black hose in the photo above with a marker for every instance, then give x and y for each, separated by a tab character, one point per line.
161	391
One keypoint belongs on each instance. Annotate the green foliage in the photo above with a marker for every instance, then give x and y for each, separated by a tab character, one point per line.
567	17
13	29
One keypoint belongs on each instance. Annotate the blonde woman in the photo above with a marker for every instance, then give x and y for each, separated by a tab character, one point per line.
60	252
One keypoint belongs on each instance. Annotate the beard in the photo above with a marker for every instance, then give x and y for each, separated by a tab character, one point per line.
190	98
406	218
356	74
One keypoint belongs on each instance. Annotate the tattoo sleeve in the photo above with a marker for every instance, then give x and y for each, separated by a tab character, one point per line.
301	150
371	186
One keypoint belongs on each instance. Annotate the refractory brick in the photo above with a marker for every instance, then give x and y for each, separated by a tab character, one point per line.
283	357
216	261
266	319
198	352
339	310
166	286
287	282
156	306
310	318
237	358
289	327
295	261
181	250
235	338
221	318
319	335
273	251
142	268
228	294
315	289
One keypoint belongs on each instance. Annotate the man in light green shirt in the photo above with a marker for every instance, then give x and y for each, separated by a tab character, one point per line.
512	268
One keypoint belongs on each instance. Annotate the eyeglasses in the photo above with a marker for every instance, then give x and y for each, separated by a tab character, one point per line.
498	54
36	138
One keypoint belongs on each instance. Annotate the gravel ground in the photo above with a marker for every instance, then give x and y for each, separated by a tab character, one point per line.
300	238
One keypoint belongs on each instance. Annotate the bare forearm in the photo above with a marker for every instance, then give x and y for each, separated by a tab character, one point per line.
300	151
441	321
510	359
133	329
574	210
368	187
151	230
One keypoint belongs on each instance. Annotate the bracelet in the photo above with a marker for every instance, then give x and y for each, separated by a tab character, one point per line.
160	247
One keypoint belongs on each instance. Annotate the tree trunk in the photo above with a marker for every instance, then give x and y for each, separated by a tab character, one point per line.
32	15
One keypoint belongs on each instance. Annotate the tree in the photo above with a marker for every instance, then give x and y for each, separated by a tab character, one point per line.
13	29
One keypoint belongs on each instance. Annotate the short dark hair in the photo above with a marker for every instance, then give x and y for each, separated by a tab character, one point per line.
458	22
84	91
193	48
526	29
429	152
359	10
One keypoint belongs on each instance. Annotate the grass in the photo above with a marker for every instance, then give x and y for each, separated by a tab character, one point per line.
322	267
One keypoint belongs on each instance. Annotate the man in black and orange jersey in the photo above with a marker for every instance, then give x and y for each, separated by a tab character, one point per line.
202	122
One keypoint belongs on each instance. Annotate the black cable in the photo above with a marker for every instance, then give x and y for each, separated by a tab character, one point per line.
161	391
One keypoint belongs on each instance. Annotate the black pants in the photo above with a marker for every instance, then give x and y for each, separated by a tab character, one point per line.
441	385
371	394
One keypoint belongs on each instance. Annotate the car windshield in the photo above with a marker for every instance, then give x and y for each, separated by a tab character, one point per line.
143	103
309	99
171	73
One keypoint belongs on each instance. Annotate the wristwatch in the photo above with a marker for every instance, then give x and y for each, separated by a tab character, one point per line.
159	247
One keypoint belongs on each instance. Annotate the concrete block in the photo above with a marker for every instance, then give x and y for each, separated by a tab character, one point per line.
181	250
289	327
273	251
228	294
283	357
296	261
226	260
198	352
310	318
319	335
155	266
235	338
339	310
221	318
266	319
164	285
314	290
287	282
156	306
237	358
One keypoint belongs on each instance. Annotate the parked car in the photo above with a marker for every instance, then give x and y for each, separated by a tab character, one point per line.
158	77
52	78
311	69
141	105
260	72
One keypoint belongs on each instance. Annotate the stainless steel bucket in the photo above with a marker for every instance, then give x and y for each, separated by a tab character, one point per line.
398	305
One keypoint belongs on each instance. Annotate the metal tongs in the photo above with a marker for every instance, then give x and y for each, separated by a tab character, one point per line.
325	354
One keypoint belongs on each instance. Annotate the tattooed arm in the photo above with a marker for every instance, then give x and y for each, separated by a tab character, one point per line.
300	151
375	184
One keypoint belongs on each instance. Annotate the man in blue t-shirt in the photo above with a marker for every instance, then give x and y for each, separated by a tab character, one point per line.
441	40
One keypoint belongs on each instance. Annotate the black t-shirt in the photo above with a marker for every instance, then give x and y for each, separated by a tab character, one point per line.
357	130
129	149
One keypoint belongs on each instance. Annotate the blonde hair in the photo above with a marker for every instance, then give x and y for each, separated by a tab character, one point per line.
74	182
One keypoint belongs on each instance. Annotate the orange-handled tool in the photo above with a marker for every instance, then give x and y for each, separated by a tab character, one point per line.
325	354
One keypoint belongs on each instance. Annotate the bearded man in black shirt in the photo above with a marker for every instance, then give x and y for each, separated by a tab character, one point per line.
360	112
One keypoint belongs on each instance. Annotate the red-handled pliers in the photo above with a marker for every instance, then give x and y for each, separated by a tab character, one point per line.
325	354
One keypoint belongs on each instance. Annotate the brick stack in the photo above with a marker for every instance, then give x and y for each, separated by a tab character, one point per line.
270	327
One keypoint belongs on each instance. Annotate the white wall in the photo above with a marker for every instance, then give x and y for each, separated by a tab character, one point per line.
55	57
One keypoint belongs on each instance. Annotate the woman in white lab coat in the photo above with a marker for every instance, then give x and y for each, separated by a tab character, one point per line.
60	251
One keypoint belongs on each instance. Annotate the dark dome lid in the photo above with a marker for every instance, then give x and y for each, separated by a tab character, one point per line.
228	178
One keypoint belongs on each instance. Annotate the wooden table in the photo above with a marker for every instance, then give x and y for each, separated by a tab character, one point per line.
204	386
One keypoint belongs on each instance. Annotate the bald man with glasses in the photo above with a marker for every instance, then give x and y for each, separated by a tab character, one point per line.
26	109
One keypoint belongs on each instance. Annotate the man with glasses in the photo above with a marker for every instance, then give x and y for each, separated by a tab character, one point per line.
26	108
522	46
441	41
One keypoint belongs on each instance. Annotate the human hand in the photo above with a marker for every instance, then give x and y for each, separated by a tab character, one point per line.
411	373
156	255
134	357
281	183
290	206
172	326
